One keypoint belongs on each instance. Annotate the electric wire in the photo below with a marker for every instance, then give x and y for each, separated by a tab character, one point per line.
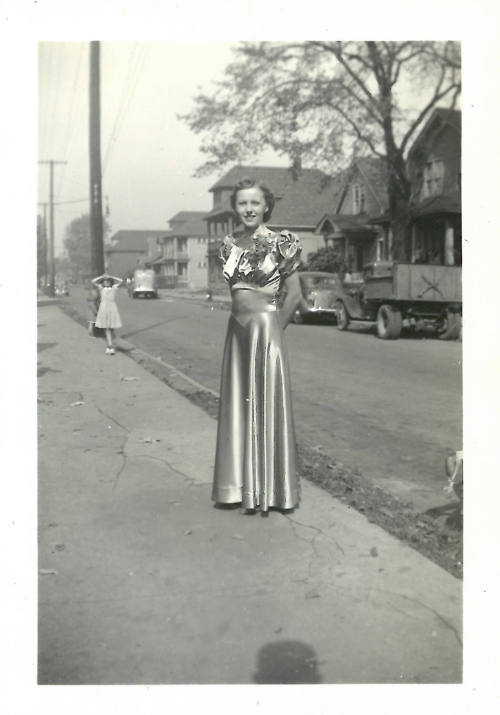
121	106
72	124
55	113
141	57
44	84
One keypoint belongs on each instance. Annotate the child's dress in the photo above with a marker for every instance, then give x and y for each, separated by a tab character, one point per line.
255	453
108	315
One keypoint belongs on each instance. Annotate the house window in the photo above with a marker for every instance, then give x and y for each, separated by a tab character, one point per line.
358	196
380	253
182	270
433	177
182	245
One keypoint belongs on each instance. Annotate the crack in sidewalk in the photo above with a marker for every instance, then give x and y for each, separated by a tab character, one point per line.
109	417
318	530
191	481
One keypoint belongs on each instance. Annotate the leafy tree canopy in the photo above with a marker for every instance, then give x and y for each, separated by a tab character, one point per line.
323	103
77	243
325	259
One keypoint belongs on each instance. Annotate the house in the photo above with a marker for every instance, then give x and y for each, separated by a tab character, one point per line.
301	196
354	225
129	248
434	168
183	258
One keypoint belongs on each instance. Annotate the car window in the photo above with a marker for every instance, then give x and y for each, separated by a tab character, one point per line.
318	282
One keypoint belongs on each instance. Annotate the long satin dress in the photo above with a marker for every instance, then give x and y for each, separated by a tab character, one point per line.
256	448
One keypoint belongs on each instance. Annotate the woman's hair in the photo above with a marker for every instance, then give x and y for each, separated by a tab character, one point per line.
248	183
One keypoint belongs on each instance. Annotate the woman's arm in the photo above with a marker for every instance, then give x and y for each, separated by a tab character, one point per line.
94	280
292	299
118	281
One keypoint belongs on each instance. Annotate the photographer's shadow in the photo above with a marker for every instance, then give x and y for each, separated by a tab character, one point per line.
287	662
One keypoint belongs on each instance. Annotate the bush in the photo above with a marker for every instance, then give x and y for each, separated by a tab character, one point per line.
326	259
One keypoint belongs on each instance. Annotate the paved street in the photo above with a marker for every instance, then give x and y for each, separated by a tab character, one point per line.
141	580
391	410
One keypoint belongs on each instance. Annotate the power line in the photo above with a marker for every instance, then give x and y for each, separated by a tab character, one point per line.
72	124
121	104
54	113
45	70
135	74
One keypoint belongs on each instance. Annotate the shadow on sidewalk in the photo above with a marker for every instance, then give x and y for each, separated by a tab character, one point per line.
287	662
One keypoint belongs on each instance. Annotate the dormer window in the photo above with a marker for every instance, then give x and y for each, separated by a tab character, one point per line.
217	197
358	198
432	184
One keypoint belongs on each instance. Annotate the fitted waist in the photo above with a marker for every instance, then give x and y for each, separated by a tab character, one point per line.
251	299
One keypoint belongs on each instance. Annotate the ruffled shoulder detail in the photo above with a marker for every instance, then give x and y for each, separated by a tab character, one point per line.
225	247
290	250
288	244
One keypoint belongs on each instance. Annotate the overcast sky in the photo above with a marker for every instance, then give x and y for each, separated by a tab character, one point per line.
148	155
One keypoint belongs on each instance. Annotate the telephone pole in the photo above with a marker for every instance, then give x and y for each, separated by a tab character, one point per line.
96	222
45	244
52	272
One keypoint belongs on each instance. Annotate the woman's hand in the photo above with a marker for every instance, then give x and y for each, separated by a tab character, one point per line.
292	299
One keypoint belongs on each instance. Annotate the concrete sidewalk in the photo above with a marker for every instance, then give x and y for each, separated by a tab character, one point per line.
142	580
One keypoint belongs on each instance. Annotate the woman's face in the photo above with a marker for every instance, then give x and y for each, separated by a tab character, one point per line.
251	207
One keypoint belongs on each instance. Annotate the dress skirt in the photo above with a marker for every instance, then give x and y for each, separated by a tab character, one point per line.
108	315
256	449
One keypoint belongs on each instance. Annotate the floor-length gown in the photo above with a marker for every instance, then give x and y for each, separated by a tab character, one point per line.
256	448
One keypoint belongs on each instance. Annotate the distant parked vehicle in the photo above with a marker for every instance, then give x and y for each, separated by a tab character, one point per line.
392	294
318	296
62	288
143	284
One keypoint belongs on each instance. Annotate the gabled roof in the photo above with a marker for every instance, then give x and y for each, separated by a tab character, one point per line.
183	216
439	118
374	172
131	240
441	204
345	224
192	228
301	196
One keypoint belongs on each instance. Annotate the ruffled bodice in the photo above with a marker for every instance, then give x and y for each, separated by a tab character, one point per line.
272	257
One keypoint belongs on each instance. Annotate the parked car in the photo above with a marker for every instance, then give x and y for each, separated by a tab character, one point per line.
143	284
318	296
393	294
62	288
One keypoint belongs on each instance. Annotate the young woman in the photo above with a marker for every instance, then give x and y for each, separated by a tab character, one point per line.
255	453
108	316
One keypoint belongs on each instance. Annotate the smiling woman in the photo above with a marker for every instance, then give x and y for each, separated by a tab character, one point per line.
255	453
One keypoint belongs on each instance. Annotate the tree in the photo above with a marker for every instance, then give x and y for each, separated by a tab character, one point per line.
326	259
323	103
77	244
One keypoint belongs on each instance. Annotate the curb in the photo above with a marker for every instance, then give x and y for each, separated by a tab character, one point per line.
421	531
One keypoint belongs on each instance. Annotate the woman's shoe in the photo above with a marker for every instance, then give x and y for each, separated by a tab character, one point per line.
111	351
107	351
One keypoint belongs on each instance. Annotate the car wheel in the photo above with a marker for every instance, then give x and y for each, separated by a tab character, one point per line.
389	323
342	316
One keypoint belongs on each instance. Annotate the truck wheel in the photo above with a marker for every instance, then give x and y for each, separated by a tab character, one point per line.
389	323
297	318
342	316
451	328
